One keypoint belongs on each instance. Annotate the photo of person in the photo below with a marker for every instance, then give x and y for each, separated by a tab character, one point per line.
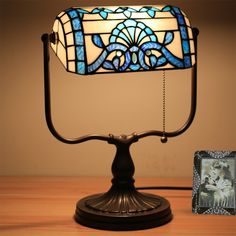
217	183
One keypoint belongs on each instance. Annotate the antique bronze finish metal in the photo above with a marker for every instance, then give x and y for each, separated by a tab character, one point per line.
122	207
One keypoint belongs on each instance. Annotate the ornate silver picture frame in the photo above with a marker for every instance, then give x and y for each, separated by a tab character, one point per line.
214	183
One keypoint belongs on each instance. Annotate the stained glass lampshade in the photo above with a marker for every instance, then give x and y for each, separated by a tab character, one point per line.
123	39
115	40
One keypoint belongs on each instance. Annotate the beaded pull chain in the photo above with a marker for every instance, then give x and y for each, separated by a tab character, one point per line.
164	138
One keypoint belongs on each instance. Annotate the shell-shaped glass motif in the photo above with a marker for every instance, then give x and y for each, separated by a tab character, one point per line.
122	39
131	32
136	47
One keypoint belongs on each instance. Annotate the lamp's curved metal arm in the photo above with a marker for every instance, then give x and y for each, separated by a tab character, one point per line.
193	102
46	38
47	96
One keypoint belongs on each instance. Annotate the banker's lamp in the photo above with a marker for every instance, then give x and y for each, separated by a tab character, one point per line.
96	40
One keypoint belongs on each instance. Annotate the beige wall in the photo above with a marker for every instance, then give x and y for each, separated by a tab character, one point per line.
111	104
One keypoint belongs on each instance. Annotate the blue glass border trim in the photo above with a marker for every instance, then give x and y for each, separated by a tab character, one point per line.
184	36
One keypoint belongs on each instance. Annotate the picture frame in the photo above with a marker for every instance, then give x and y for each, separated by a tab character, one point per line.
214	183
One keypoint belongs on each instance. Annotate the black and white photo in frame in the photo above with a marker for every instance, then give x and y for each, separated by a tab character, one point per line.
214	182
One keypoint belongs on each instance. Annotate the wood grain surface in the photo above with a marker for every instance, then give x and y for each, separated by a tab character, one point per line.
45	206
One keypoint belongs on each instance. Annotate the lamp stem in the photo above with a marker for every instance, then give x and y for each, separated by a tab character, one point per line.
46	39
123	166
122	207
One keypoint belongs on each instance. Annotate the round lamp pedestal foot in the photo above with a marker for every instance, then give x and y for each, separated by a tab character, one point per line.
123	211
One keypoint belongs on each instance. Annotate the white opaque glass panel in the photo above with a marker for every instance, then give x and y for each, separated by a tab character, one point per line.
92	17
65	18
193	59
61	35
70	39
101	70
67	27
104	26
163	15
61	14
187	21
105	38
190	33
55	26
191	42
107	26
71	66
183	13
175	47
71	53
160	36
92	51
61	53
168	66
117	16
161	24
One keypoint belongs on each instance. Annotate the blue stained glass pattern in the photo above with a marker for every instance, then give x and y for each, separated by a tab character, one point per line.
151	13
116	46
153	38
108	65
116	31
97	40
112	39
172	59
142	61
185	45
168	38
187	61
80	53
127	11
153	60
73	14
183	32
93	67
124	37
184	38
161	61
103	14
141	26
121	26
166	9
135	52
142	35
149	31
121	9
76	24
126	63
80	10
79	40
134	49
96	10
177	10
132	45
149	45
127	14
134	67
181	19
81	67
132	32
129	23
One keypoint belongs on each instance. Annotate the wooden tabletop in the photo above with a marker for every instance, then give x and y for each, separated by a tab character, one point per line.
45	206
